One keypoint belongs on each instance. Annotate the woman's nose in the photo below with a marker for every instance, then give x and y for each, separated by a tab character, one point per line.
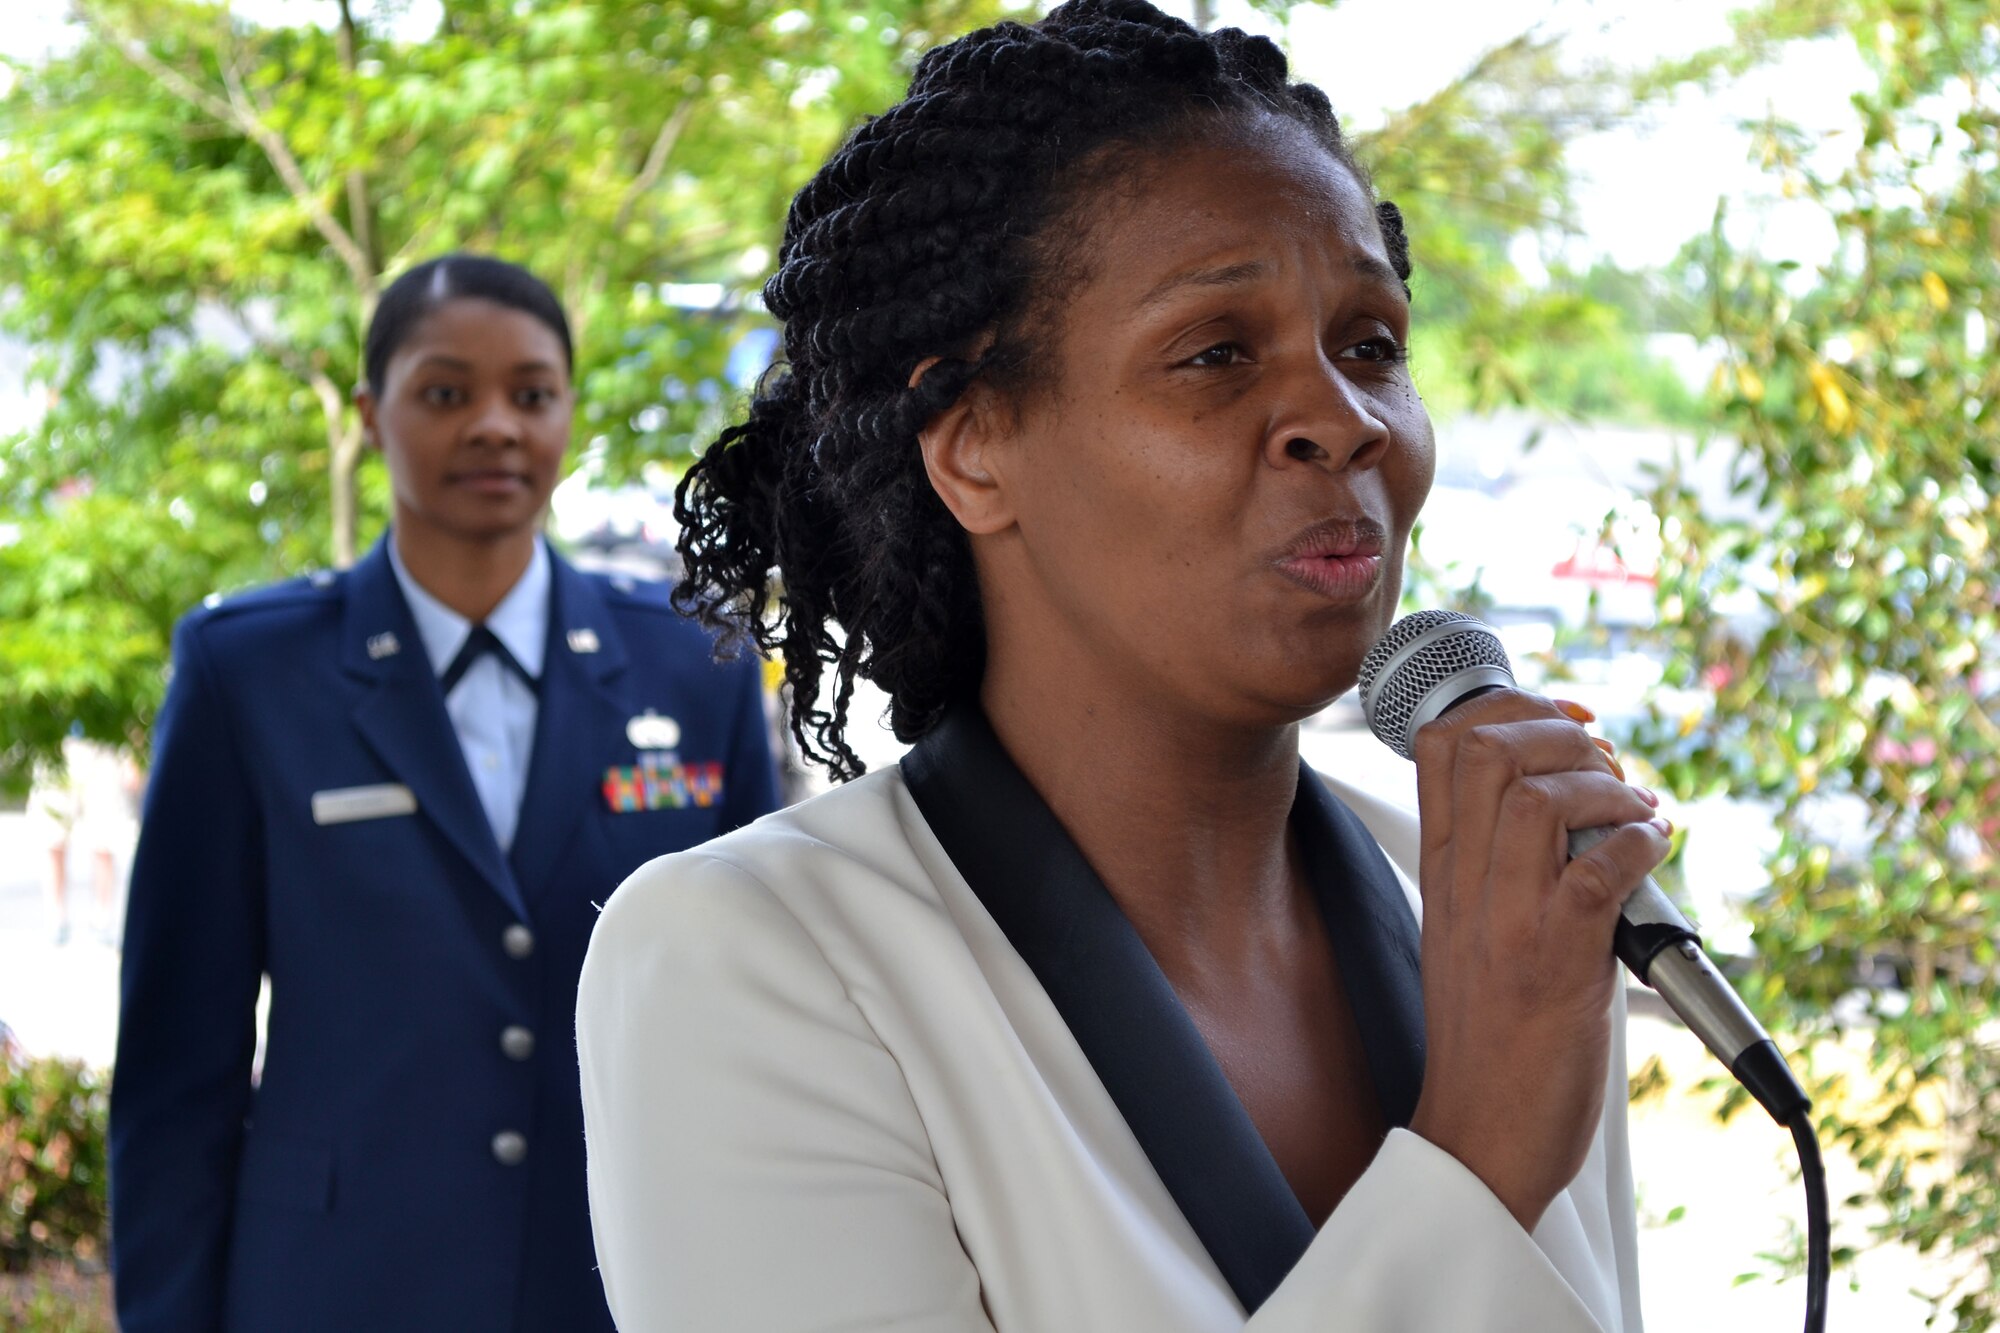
1328	420
494	422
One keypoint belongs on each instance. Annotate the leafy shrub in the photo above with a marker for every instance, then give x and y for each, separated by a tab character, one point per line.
52	1299
53	1199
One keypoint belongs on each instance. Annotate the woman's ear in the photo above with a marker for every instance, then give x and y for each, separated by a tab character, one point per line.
364	402
963	448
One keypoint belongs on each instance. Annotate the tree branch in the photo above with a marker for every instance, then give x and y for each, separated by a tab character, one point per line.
238	110
656	162
360	213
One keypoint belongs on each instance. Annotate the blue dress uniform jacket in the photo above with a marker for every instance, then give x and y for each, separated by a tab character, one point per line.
411	1156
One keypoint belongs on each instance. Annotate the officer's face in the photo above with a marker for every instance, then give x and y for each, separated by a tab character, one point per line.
473	419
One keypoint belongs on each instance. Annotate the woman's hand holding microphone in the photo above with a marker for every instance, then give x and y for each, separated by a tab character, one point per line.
1517	937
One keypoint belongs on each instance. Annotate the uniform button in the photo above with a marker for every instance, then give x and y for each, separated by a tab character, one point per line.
517	940
509	1147
516	1042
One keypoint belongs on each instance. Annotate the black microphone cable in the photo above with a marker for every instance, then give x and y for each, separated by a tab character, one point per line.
1819	1240
1429	663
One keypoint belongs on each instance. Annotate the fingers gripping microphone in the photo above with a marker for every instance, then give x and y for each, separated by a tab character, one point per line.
1428	664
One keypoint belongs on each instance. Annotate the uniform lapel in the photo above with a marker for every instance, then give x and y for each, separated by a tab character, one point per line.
578	713
402	718
1059	917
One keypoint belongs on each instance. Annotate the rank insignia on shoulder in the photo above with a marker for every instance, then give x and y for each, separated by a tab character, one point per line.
382	645
660	782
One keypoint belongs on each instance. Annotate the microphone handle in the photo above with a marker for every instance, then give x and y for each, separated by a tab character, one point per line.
1661	948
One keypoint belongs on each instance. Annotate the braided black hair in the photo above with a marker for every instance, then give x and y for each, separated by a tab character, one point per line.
936	230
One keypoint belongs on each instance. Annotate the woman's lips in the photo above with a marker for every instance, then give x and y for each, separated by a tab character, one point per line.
1338	558
491	483
1338	578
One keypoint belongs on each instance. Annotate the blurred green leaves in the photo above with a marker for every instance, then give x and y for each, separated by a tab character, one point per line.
197	211
1861	691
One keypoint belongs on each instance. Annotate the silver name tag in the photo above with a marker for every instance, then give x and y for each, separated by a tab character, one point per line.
344	805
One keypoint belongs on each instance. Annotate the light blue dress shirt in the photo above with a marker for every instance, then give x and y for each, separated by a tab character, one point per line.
492	710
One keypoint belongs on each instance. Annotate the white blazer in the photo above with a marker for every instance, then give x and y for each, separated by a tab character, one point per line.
825	1089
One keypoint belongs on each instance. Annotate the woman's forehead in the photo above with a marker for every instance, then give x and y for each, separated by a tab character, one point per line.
473	328
1232	195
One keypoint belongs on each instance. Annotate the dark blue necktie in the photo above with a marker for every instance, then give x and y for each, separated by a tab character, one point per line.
477	644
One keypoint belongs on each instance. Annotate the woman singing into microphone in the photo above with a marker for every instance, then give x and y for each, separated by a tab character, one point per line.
1095	447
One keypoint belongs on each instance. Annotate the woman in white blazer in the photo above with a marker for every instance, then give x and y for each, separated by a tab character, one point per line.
1095	447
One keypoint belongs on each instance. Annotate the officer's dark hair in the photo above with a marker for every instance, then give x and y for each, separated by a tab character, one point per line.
945	227
452	277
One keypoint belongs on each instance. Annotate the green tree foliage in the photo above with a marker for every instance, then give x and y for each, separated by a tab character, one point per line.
1475	166
1863	693
196	213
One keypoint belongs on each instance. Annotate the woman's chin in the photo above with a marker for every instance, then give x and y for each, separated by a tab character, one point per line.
1277	703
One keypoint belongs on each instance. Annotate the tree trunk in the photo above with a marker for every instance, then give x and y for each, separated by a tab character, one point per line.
343	452
1204	14
360	212
346	461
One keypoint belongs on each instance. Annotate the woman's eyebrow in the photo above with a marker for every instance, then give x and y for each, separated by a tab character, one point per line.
1376	268
1372	267
1225	275
444	362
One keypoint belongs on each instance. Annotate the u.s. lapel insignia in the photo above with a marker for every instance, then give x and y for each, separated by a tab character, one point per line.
583	640
653	731
382	645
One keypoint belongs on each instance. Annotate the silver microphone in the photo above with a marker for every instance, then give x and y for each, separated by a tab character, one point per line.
1428	664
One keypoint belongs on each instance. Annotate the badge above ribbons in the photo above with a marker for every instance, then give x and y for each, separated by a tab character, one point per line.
660	780
651	731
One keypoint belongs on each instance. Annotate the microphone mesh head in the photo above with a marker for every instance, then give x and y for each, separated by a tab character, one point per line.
1420	653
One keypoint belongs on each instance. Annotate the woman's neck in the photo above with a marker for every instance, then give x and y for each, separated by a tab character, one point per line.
1184	820
470	577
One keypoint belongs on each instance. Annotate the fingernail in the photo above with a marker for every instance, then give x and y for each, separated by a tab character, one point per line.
1575	711
1616	767
1663	824
1604	745
1646	795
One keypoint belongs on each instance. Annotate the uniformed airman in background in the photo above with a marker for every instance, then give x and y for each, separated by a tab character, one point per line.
400	793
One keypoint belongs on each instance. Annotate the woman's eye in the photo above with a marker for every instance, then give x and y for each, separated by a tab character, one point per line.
1383	349
1222	354
536	397
442	395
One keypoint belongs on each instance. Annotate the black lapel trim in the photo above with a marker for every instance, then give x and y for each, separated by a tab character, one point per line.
1059	917
1375	938
1039	889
